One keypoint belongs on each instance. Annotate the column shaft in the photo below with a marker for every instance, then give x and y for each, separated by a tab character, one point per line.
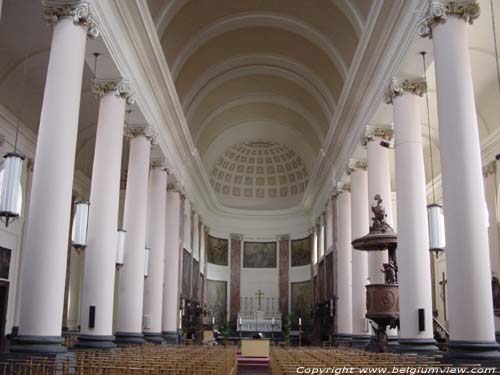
131	282
344	254
472	331
379	182
153	285
413	238
170	312
46	246
100	254
467	257
359	227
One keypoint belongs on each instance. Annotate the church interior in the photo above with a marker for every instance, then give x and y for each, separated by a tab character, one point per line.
249	187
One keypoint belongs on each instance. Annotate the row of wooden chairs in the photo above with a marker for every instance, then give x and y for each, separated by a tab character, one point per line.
146	359
286	360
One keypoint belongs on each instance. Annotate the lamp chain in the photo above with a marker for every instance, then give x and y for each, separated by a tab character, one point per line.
423	53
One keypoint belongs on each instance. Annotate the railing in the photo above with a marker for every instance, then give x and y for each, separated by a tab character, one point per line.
441	334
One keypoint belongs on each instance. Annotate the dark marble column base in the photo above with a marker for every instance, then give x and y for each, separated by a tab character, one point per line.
360	341
417	345
95	342
154	337
129	338
497	336
342	339
472	350
171	337
38	344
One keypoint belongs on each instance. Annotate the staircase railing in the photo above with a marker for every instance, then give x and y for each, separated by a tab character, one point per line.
441	334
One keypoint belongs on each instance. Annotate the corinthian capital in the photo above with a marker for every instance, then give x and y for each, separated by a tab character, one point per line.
373	132
489	168
159	164
53	10
120	88
399	87
146	131
355	165
341	187
438	12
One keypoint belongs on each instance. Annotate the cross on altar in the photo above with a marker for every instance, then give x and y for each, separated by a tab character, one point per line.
259	295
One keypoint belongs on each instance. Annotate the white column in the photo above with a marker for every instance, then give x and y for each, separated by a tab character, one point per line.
472	331
153	285
46	246
131	275
379	182
413	258
100	254
359	227
490	190
170	313
344	254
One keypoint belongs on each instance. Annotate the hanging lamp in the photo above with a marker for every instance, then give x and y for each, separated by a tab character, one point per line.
11	193
434	210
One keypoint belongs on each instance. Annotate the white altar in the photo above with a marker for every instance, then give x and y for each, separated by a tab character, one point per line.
259	321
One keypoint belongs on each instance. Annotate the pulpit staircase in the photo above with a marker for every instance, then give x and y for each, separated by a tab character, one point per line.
441	334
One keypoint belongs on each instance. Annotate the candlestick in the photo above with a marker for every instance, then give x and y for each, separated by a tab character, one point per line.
213	320
300	321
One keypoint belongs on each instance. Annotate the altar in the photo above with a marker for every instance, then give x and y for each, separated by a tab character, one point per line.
259	321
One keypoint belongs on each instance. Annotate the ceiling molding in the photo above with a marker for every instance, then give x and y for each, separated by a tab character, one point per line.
209	82
259	19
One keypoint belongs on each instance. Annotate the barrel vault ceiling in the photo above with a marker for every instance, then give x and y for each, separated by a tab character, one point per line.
249	71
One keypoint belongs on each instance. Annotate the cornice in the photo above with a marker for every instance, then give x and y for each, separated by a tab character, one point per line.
120	88
53	10
438	12
399	87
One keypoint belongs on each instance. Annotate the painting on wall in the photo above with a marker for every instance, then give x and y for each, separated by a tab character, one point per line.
4	262
217	251
217	300
301	252
196	279
186	272
259	255
301	299
329	275
321	280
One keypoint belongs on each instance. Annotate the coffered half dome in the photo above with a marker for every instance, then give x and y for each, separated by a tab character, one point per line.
259	174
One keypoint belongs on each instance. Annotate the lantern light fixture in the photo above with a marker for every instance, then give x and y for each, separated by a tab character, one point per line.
435	215
11	193
120	248
80	225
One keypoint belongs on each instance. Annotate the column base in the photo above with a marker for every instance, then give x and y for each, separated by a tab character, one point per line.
154	337
171	337
129	338
95	342
360	341
38	344
472	350
342	339
417	345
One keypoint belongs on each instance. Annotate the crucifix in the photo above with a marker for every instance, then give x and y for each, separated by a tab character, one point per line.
259	295
443	283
